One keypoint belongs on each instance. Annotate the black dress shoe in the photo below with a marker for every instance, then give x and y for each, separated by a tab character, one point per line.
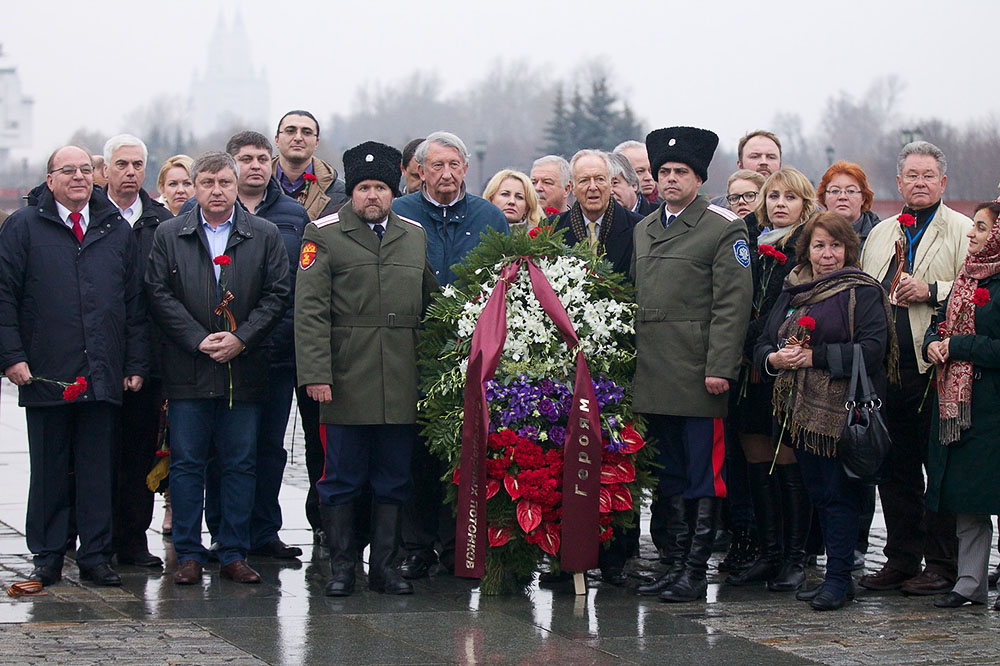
827	600
415	567
46	575
954	600
613	576
813	592
277	549
657	586
101	574
143	559
689	587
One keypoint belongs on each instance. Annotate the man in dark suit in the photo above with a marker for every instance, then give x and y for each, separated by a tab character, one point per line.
71	307
596	217
625	186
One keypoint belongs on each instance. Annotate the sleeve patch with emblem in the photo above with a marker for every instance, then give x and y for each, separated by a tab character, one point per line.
308	256
742	252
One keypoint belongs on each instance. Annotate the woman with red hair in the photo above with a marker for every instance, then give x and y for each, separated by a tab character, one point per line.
844	189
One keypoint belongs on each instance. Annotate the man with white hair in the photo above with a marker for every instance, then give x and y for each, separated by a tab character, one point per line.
626	188
455	222
125	158
636	153
550	176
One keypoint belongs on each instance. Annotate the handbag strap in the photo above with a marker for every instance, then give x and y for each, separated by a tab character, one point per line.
856	364
859	374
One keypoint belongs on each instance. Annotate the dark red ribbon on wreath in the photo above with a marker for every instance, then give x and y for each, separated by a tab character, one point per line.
581	453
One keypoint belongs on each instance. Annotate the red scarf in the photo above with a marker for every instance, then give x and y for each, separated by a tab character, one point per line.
955	384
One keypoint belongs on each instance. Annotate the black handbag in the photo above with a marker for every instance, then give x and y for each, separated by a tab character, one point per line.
865	441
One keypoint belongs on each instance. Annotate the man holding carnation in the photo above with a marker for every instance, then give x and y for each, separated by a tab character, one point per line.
363	284
71	307
693	288
217	280
929	238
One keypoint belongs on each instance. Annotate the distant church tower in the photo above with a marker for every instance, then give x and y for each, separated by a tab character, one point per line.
15	110
230	92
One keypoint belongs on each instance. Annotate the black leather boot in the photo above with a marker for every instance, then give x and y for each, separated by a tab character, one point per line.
338	523
676	541
766	498
382	575
691	586
797	510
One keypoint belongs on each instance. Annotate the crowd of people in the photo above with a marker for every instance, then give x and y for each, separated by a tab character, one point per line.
183	326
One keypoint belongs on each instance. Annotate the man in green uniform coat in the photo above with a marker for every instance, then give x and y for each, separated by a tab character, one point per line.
363	284
693	287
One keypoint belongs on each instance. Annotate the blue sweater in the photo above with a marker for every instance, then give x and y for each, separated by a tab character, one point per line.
451	231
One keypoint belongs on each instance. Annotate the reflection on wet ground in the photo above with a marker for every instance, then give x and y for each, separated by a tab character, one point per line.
287	620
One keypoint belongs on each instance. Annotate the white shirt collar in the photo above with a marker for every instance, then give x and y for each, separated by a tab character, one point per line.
131	212
384	223
64	215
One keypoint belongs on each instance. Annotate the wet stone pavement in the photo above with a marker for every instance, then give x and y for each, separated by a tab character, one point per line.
287	620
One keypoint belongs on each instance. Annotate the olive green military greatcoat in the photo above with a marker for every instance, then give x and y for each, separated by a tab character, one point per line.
358	306
694	291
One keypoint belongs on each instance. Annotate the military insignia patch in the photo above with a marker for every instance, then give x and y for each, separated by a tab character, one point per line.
742	252
308	256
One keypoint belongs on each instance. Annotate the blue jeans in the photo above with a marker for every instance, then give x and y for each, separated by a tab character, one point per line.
199	428
265	518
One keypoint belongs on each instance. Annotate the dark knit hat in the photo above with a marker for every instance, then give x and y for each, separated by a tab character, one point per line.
372	161
688	145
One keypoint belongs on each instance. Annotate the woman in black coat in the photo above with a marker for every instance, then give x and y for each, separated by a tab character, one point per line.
827	306
781	507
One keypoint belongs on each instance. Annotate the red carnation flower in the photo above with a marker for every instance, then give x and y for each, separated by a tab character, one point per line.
807	322
942	330
766	250
907	220
980	297
550	211
309	177
222	260
780	257
162	453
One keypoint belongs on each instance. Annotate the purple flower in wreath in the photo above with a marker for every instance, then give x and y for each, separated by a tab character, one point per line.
557	435
529	432
549	409
547	386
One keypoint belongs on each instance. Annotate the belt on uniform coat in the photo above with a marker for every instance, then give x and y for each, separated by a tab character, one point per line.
390	320
652	314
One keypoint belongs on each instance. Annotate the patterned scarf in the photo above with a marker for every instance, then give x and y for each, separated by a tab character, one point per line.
955	384
578	223
809	398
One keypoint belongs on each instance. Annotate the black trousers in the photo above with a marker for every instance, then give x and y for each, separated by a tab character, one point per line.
309	411
88	430
134	454
913	532
428	525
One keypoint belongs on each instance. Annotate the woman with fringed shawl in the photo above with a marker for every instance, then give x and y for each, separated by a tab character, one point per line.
963	465
827	305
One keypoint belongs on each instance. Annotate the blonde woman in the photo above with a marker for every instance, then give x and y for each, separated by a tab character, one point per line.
512	193
174	182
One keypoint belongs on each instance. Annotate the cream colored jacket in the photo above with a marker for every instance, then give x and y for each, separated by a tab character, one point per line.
940	255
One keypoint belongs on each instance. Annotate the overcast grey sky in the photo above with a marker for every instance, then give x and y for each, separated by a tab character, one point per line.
728	66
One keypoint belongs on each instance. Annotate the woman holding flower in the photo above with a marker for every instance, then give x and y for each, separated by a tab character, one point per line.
963	341
828	305
781	507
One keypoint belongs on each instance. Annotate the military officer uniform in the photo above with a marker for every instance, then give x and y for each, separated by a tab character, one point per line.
693	289
359	300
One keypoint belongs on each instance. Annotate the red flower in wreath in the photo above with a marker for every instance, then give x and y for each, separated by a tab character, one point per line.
537	230
807	322
222	260
980	297
907	220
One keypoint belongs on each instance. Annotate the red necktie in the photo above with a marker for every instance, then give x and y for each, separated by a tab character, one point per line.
77	229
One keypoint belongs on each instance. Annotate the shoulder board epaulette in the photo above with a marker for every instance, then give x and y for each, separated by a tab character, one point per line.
724	212
329	219
409	221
